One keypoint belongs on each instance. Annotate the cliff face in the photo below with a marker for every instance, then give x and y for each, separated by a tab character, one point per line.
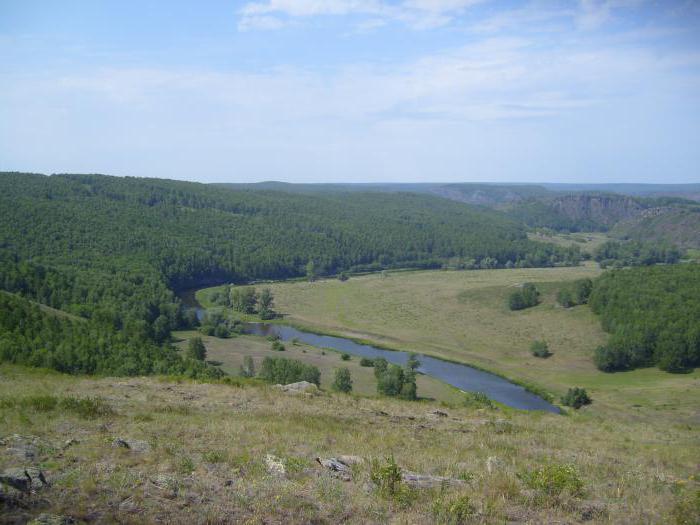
605	210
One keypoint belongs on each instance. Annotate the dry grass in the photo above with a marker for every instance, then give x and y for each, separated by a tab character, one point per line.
207	444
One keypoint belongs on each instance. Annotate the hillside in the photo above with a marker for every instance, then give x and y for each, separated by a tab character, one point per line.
142	450
677	225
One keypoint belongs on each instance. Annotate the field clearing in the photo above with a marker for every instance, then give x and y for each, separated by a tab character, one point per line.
462	315
230	353
587	241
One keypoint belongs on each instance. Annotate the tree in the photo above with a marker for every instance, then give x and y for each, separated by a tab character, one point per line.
413	363
380	366
265	304
196	349
409	391
343	276
311	271
343	380
248	367
391	381
576	398
243	299
540	349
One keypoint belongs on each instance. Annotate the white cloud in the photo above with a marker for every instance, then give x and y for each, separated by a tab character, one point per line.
418	14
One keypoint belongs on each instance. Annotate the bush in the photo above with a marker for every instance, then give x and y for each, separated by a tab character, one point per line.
576	397
278	347
196	349
477	399
346	357
342	276
527	297
554	479
540	349
389	481
380	367
343	380
366	361
248	367
285	371
455	510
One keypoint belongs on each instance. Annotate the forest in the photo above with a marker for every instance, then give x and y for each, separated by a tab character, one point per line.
653	316
115	250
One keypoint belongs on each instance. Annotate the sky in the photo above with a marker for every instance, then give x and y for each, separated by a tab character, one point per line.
353	90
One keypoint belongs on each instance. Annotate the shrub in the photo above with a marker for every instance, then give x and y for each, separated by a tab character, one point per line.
576	397
285	371
554	479
540	349
477	399
686	510
455	510
346	357
524	298
343	380
366	361
342	276
389	481
248	367
278	347
196	349
380	366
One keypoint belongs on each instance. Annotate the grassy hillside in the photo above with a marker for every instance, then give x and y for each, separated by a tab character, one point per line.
464	316
197	454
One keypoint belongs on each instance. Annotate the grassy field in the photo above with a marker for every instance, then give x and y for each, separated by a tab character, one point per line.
230	353
462	315
197	455
587	241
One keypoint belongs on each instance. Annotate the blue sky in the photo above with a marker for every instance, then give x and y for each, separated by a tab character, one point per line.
353	90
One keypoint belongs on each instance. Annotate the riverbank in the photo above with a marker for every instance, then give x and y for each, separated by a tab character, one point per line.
462	316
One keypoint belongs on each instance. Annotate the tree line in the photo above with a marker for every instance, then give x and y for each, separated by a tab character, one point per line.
653	316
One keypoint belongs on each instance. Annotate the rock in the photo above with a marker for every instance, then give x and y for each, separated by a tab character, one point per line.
69	443
51	519
131	444
338	468
425	481
22	448
275	466
302	387
438	413
492	464
23	479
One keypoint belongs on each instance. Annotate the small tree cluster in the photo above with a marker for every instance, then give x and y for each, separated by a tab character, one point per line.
285	371
215	324
540	349
526	297
575	294
196	349
576	397
394	381
342	382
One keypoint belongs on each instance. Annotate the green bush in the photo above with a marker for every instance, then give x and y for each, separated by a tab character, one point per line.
455	510
343	380
554	479
346	357
196	349
477	399
526	297
576	397
540	349
366	361
285	371
277	346
389	481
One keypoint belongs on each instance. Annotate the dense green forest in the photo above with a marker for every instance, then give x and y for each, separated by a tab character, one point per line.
114	250
31	336
653	314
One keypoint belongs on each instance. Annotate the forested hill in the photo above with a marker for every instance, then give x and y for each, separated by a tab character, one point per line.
114	249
